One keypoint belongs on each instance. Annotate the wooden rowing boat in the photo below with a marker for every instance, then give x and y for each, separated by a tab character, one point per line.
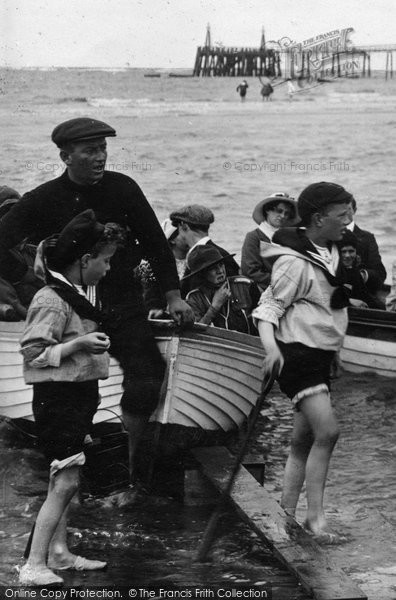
370	343
213	375
212	381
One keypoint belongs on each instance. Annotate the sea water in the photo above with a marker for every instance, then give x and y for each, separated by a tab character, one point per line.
192	140
185	141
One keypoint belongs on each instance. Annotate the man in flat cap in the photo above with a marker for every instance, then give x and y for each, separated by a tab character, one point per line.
85	184
193	222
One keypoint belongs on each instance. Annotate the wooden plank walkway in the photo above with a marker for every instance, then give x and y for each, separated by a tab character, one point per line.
296	549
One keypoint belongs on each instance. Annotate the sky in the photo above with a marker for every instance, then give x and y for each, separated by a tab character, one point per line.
166	33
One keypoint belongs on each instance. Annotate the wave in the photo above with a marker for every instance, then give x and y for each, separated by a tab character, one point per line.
63	100
73	99
360	96
112	102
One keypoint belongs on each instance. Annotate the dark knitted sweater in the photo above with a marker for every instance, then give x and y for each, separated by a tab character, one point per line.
116	198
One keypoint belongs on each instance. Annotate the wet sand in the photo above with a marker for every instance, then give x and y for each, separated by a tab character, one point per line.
360	497
154	541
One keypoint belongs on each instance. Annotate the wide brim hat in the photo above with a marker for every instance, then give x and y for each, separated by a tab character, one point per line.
258	212
203	257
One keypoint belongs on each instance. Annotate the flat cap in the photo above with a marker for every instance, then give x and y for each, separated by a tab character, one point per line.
194	214
82	128
77	238
8	197
318	195
348	239
8	193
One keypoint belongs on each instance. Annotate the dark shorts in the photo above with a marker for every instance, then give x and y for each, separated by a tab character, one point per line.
63	412
134	346
304	368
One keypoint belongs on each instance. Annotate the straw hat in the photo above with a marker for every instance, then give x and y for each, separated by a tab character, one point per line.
258	212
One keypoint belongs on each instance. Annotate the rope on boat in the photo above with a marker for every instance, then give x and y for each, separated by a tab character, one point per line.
12	423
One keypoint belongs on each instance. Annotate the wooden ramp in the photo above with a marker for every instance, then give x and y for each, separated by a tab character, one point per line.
295	549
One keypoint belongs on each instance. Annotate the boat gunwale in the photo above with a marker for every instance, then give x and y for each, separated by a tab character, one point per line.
371	317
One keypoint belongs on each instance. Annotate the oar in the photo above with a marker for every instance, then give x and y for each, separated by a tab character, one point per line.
29	542
274	85
319	84
280	83
210	531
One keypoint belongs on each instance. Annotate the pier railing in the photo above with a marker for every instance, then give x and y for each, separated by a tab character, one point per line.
232	61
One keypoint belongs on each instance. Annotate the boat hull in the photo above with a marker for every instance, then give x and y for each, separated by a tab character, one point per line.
370	343
212	381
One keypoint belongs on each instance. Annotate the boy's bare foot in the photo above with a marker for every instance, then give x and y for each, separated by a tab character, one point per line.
328	538
72	562
29	575
322	535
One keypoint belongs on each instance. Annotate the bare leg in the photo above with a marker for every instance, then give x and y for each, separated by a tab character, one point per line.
294	476
61	489
59	555
319	414
135	426
58	546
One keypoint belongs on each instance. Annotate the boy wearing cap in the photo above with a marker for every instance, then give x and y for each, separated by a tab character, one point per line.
64	357
302	320
114	197
275	211
193	222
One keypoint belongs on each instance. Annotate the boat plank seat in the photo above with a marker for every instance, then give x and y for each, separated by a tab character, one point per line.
301	555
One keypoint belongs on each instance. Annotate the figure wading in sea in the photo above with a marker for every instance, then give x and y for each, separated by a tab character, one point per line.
266	88
304	290
291	90
242	89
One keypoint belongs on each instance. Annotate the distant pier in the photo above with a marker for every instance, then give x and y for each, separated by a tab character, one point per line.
328	58
219	61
